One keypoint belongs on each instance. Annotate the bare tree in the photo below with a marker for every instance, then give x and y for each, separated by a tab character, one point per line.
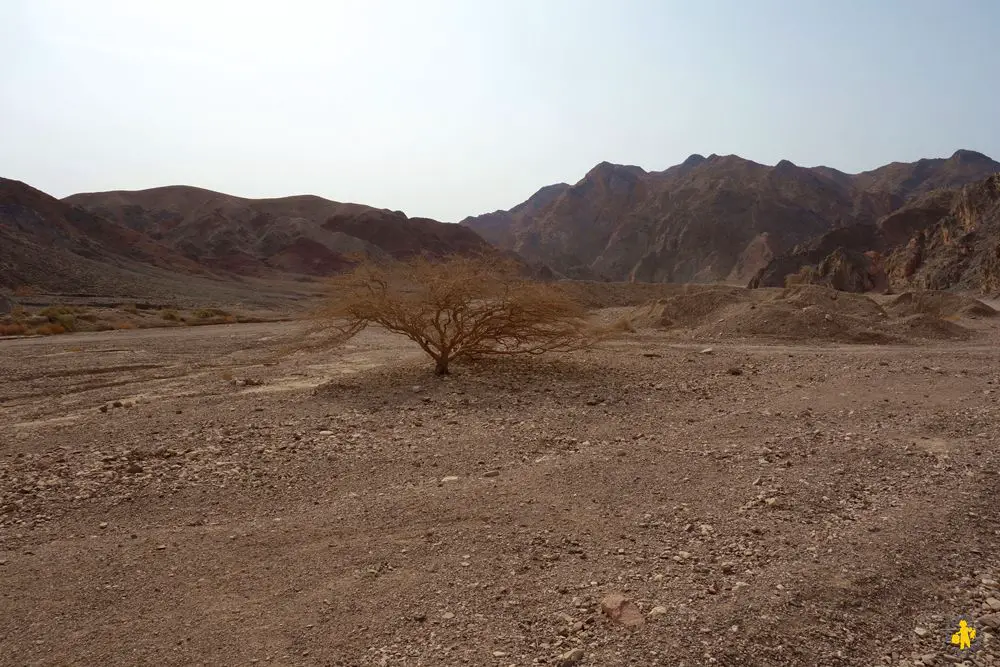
454	309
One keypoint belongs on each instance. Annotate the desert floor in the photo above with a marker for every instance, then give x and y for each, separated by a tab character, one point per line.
184	496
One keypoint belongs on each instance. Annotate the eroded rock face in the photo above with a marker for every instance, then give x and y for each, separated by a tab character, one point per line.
943	240
6	305
708	219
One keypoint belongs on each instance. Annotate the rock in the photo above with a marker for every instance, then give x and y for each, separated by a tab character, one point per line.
735	371
991	621
656	612
621	610
6	305
491	473
928	659
990	583
921	632
447	615
828	317
326	432
449	478
102	525
570	658
707	350
499	654
133	468
993	604
103	408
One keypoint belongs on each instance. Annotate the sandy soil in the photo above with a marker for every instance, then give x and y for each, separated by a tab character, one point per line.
167	498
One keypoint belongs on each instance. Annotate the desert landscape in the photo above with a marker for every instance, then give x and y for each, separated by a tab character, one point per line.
471	334
796	476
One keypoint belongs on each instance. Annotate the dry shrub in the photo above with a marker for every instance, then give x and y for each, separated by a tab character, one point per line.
805	276
123	324
131	309
25	290
455	309
12	329
170	315
50	330
55	311
206	313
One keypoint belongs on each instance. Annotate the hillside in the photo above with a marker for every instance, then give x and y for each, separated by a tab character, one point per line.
706	219
301	235
946	238
51	245
185	244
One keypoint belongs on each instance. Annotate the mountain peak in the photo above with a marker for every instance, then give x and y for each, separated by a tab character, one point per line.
693	160
969	157
606	169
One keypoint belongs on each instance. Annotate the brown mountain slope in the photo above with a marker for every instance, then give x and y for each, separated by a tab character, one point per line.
304	234
52	245
715	218
943	239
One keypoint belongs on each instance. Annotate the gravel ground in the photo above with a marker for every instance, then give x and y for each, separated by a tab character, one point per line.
178	497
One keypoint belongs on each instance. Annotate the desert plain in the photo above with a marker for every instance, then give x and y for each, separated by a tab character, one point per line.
773	478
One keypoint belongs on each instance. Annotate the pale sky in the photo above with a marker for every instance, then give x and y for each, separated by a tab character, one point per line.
448	108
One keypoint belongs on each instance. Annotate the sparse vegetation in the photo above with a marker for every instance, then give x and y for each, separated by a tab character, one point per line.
50	330
805	276
61	318
455	309
207	313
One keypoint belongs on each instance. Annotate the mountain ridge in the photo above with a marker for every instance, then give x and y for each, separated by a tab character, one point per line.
721	217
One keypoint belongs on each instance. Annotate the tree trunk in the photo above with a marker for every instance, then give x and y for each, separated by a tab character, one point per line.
441	368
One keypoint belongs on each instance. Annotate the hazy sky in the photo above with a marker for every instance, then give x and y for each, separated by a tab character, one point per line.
452	108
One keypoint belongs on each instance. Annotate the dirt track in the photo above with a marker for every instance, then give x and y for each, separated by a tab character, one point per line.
806	505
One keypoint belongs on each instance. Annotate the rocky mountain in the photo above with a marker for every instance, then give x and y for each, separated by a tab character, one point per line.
49	244
179	241
706	219
943	239
302	235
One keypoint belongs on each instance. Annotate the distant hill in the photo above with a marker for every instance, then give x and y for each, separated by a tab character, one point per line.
303	235
179	242
50	244
707	219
